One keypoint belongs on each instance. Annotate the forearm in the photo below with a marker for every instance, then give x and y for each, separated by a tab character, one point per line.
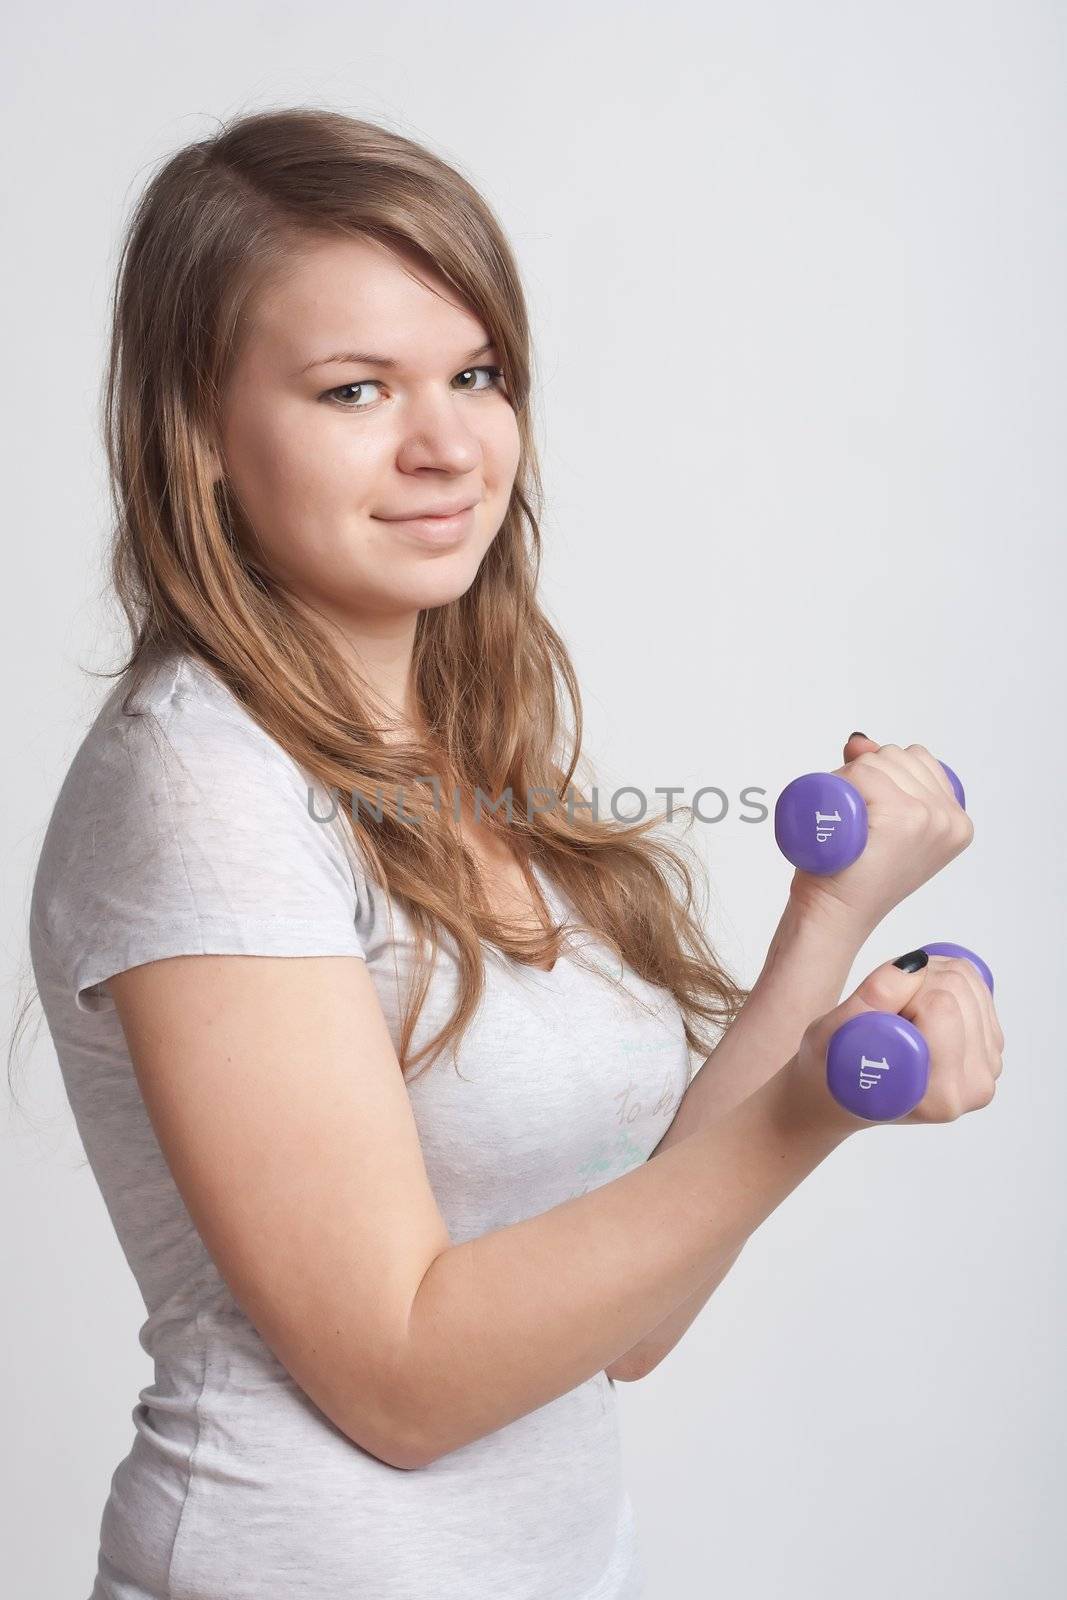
507	1322
802	978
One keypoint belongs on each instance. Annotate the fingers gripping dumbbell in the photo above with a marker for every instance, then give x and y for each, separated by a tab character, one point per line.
820	821
878	1064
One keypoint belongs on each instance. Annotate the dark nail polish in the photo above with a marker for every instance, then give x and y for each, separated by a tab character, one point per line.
914	961
856	735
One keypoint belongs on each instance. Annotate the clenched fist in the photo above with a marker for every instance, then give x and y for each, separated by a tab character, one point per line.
915	825
950	1005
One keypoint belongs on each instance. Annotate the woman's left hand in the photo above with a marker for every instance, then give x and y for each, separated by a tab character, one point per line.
915	824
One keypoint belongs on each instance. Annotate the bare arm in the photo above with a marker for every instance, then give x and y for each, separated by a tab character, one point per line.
807	963
507	1322
298	1158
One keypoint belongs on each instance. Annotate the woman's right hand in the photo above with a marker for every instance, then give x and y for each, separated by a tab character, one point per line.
915	828
952	1008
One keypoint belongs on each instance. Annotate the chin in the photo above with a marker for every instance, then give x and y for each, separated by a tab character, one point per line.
437	571
441	587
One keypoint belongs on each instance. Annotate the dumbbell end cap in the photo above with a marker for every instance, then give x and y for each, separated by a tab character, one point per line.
946	949
957	786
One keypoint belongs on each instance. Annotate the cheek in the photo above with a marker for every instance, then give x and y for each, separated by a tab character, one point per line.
285	459
504	447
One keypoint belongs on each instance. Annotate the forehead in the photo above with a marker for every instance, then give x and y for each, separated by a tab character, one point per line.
336	294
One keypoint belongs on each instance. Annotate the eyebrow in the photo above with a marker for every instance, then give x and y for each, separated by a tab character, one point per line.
358	358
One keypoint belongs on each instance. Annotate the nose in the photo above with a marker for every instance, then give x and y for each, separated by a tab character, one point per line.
438	435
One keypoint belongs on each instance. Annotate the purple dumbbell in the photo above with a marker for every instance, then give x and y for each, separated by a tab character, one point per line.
878	1064
820	821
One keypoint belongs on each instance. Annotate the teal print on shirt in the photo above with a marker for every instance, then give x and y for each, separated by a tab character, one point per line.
620	1153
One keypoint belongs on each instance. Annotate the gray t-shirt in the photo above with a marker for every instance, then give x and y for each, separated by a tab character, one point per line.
187	829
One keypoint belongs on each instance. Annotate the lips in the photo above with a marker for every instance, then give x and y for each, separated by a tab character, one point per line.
434	511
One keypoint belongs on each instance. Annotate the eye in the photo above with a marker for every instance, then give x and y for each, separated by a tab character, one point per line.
495	375
345	388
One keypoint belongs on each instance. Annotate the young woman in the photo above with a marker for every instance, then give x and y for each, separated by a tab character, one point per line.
387	1307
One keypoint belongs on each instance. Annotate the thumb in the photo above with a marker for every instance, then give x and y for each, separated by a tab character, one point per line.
890	987
858	744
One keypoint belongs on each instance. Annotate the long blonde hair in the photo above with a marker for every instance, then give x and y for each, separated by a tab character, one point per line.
490	673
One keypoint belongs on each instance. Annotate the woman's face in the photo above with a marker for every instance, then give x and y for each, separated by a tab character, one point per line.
323	452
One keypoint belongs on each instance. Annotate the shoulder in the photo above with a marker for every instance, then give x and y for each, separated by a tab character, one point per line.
181	817
178	755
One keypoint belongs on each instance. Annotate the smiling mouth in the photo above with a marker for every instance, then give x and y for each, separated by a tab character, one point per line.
433	529
433	516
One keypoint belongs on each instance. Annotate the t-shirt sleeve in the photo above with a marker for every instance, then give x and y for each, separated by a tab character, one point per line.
191	833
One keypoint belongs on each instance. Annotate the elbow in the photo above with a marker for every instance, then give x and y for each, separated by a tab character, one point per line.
425	1435
410	1449
637	1363
420	1444
411	1436
396	1446
407	1455
394	1432
418	1433
411	1441
623	1371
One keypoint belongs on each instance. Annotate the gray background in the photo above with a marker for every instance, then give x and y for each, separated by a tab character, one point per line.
796	274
